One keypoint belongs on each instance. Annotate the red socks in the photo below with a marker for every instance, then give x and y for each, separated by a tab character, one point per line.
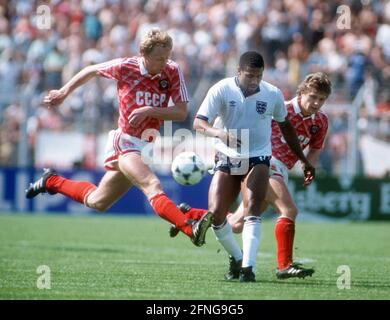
284	234
162	205
76	190
195	214
167	210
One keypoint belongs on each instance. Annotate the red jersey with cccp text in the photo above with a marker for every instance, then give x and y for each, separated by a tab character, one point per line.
137	88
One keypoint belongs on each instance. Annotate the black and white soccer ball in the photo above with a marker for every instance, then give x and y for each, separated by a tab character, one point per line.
188	168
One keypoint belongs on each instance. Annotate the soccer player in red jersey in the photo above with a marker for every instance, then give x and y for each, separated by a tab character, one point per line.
311	125
145	84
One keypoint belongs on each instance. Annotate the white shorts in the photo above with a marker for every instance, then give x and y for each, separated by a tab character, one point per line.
279	169
119	143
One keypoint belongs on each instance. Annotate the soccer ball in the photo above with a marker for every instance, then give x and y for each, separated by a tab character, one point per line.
188	168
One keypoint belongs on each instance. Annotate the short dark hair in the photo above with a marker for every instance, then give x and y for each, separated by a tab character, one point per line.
251	59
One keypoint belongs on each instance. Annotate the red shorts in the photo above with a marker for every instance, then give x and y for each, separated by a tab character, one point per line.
119	143
278	168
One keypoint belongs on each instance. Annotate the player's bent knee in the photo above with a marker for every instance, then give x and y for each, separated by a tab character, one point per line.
290	212
100	206
237	227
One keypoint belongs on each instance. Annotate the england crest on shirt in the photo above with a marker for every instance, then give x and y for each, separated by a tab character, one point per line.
232	103
261	106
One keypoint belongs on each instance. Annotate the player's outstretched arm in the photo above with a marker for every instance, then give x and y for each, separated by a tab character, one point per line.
56	97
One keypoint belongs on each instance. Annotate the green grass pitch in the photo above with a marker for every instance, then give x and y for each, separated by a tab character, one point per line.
114	257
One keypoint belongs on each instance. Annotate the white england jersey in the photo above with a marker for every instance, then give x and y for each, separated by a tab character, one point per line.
251	116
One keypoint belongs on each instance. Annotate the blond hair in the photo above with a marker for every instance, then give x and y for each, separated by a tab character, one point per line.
155	37
318	81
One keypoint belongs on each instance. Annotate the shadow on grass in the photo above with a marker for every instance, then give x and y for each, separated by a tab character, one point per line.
314	283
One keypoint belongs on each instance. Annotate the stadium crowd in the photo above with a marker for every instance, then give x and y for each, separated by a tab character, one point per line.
296	37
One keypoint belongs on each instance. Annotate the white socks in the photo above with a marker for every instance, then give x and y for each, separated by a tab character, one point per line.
251	235
225	236
250	241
